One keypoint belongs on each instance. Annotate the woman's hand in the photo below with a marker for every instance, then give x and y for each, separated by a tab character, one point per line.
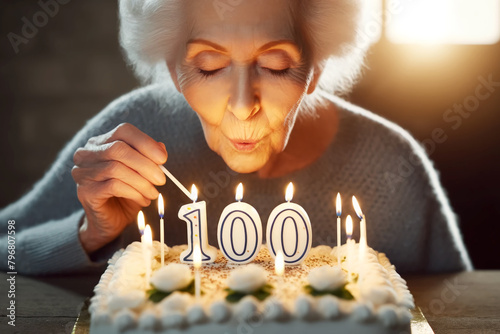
116	174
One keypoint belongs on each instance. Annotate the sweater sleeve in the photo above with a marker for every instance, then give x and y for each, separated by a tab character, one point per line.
47	218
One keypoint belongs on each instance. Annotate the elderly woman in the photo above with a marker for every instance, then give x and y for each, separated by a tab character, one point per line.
239	91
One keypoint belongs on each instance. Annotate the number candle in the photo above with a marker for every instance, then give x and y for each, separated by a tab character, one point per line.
339	213
197	266
147	250
363	243
161	212
239	231
195	216
349	242
289	231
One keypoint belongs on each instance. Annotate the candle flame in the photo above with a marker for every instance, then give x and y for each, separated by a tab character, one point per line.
197	256
239	192
339	205
148	236
194	193
357	208
289	192
161	210
141	223
348	227
279	264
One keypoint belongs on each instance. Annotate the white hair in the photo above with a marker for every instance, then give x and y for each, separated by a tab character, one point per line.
152	31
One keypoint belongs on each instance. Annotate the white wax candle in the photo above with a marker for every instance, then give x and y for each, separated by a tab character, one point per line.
339	238
289	231
147	252
195	216
363	243
197	276
349	242
161	212
239	231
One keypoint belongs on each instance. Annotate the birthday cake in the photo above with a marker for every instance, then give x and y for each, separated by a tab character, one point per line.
317	296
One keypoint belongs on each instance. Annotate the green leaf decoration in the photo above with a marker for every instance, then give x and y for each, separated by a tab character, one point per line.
341	292
157	296
262	293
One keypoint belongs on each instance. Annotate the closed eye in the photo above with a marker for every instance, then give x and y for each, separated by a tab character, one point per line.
277	72
208	73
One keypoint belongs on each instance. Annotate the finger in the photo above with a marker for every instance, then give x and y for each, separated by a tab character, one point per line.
104	171
97	194
121	152
140	141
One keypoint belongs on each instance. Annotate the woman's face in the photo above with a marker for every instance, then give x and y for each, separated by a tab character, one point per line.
243	73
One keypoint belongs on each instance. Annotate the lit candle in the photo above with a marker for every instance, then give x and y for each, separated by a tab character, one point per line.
279	269
363	243
197	266
349	242
239	231
147	250
141	224
195	216
339	213
289	231
161	212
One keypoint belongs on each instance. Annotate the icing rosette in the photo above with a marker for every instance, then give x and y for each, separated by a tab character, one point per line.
172	277
250	279
327	278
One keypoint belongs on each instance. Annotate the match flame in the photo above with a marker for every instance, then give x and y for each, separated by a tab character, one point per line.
161	210
141	223
348	227
279	264
148	236
194	193
357	208
289	192
339	205
197	256
239	192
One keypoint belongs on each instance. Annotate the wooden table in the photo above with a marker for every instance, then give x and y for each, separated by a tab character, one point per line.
467	302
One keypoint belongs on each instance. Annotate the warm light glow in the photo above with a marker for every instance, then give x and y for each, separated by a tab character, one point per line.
339	205
289	192
148	236
444	21
348	227
141	222
239	192
194	193
161	209
197	256
279	264
357	208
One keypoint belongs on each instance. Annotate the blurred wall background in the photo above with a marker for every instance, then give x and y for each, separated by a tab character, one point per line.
71	67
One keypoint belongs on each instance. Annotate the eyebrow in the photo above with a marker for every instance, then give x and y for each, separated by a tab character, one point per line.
264	47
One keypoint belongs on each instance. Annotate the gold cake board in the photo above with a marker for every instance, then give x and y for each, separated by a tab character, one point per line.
419	324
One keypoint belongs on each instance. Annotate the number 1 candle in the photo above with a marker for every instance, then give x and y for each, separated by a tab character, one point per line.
239	231
289	231
195	216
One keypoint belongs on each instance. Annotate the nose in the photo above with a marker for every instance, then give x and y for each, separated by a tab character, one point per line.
243	101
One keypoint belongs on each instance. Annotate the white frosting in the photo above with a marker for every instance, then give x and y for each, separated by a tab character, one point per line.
247	278
219	311
326	278
382	296
173	276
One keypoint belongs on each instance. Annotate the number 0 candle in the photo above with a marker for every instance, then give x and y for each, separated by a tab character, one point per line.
289	231
239	231
195	216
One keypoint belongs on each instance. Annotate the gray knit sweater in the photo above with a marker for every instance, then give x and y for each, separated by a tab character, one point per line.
408	214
